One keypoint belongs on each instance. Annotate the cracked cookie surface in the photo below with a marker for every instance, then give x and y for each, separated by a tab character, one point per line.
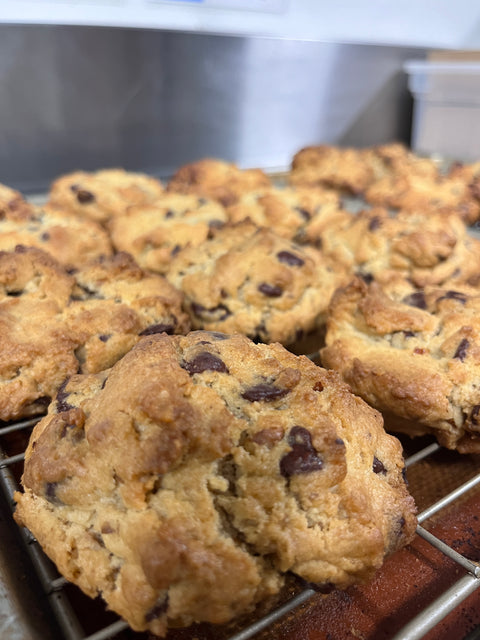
249	280
183	483
55	322
103	194
416	358
217	180
69	239
154	233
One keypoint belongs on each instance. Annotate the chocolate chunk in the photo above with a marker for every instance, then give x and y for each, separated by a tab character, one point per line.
366	277
378	466
374	224
219	313
304	213
84	196
270	290
61	399
205	361
303	458
290	258
416	299
43	401
158	328
218	335
462	349
51	492
454	295
216	224
158	609
264	392
475	415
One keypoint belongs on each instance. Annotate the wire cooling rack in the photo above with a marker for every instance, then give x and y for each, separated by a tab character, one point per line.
67	622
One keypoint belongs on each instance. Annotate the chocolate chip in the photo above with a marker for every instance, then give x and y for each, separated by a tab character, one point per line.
366	277
270	290
14	294
61	399
216	224
205	361
378	466
175	250
21	248
475	415
43	401
416	299
45	236
104	337
169	214
264	392
462	349
159	608
408	334
454	295
51	492
290	258
374	223
84	196
219	313
303	212
158	328
218	335
303	458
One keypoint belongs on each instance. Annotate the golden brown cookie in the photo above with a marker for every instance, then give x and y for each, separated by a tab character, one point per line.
406	181
185	482
218	180
154	233
104	194
339	168
13	205
300	214
405	248
55	323
248	279
69	239
416	359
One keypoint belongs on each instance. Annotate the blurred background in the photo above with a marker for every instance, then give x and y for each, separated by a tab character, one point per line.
149	85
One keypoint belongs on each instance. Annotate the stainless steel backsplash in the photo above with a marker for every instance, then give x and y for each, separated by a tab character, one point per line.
88	97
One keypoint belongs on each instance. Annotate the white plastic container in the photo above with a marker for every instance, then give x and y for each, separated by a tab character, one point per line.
446	112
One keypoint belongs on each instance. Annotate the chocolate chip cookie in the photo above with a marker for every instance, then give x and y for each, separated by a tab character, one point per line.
218	180
69	239
55	322
249	280
103	194
183	483
154	233
416	358
301	214
405	248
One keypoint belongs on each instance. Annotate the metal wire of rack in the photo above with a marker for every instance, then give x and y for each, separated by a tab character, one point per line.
54	585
